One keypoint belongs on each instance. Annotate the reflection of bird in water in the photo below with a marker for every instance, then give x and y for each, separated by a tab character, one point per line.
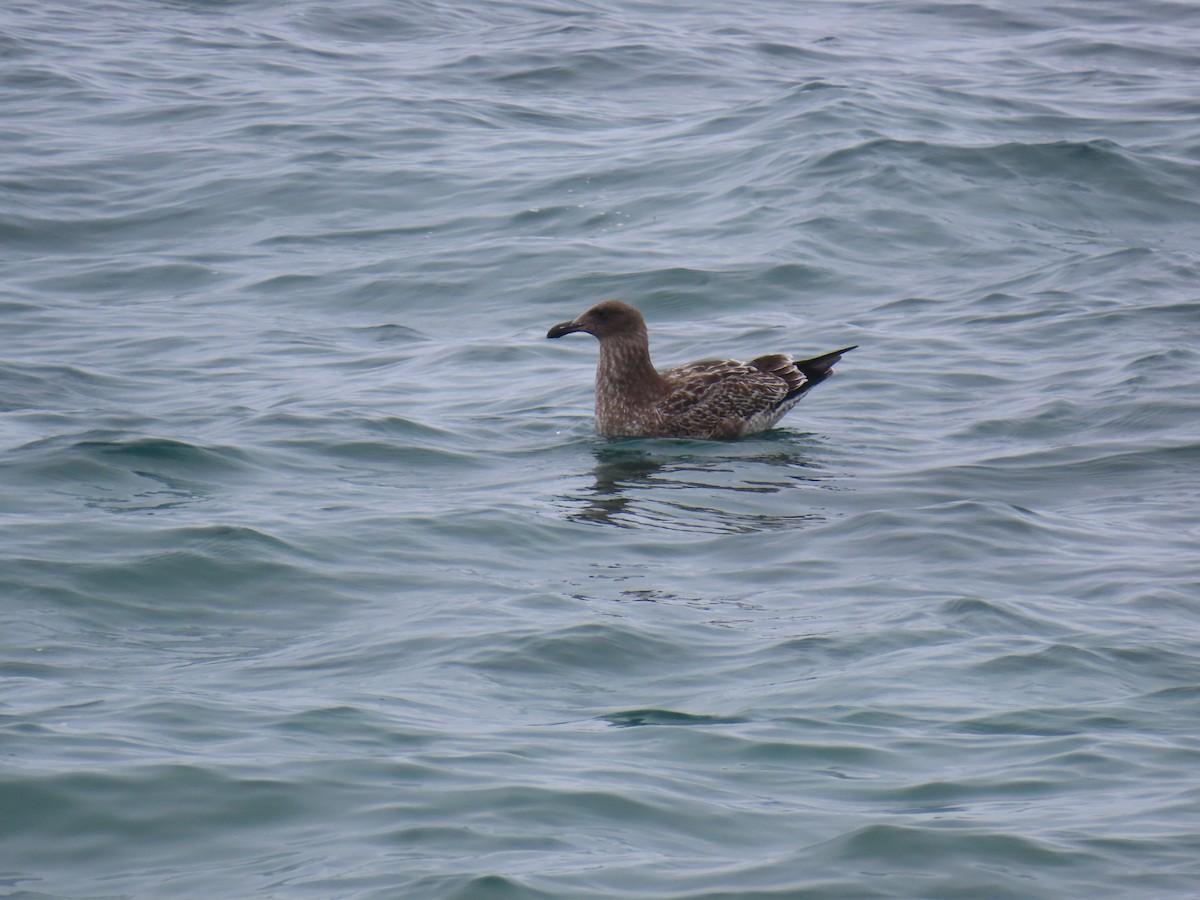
712	399
634	487
615	470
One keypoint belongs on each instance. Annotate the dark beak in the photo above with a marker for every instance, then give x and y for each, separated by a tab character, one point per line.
564	328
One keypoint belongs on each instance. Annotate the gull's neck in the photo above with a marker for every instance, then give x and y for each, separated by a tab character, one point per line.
626	380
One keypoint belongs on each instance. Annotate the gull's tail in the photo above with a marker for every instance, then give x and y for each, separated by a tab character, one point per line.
819	368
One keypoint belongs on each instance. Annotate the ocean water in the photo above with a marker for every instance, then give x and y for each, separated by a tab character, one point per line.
315	581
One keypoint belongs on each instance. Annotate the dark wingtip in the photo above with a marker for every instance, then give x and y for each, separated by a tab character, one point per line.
819	367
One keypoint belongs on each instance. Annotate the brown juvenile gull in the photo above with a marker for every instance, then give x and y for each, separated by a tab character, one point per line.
707	400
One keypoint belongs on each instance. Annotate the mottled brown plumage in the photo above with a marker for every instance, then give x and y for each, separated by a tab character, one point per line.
711	399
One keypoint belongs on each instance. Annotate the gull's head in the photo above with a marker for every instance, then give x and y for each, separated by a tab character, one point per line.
605	319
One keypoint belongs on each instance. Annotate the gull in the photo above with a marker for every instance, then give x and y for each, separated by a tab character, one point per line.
712	399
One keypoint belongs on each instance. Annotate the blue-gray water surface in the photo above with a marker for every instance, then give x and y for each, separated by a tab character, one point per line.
315	581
